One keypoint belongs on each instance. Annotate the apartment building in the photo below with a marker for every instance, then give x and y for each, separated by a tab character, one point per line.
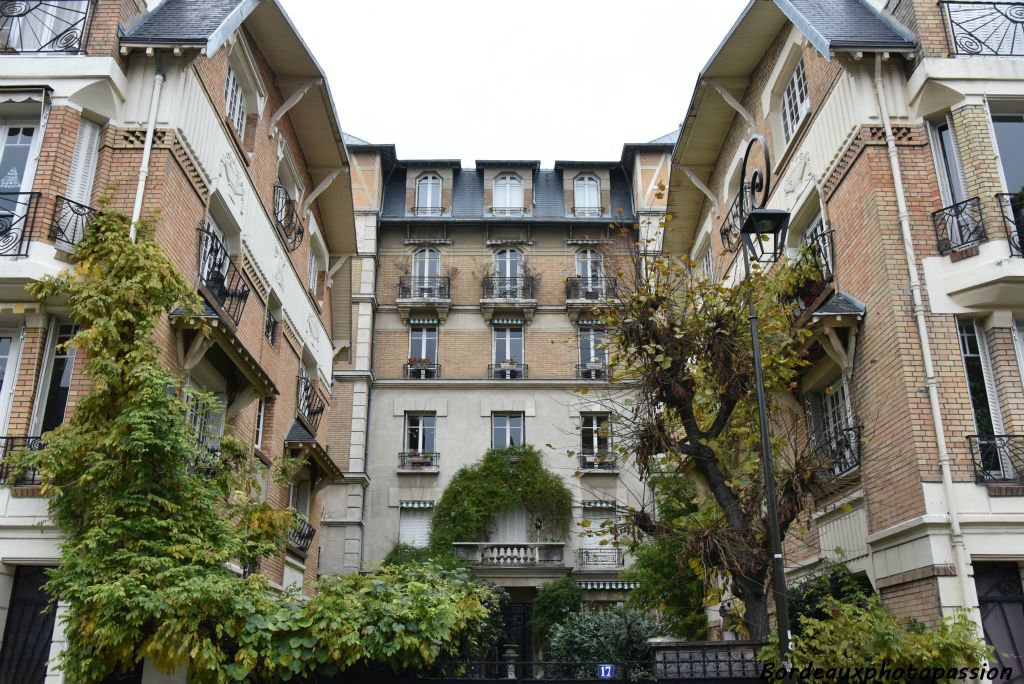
215	121
895	141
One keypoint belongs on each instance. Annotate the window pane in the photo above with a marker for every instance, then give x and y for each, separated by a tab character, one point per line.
969	349
16	146
1010	137
949	163
499	431
60	380
515	430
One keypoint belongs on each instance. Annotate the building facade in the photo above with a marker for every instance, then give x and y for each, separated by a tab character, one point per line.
213	121
894	137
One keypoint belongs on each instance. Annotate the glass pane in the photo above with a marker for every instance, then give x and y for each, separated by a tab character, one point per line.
499	431
948	163
60	380
1010	137
515	430
14	159
5	355
975	378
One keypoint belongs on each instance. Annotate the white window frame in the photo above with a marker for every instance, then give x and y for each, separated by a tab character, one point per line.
424	424
28	173
261	417
300	496
508	195
595	423
46	377
586	195
598	353
10	375
414	526
590	264
508	429
234	102
707	263
428	203
796	101
507	336
423	342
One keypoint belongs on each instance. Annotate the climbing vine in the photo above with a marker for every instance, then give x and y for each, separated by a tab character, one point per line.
151	521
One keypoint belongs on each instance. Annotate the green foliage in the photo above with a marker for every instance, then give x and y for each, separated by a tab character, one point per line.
147	535
553	603
404	554
854	636
669	587
506	478
807	599
616	635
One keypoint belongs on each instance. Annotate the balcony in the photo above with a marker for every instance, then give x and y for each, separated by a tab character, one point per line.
588	212
959	226
984	28
70	219
48	27
1012	209
507	371
424	295
592	371
286	218
816	254
998	459
418	461
513	294
17	221
508	211
300	536
421	370
511	555
428	211
207	461
10	444
219	276
311	404
583	294
598	461
840	452
738	210
601	557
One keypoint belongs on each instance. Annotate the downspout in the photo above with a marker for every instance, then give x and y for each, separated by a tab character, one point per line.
960	556
147	148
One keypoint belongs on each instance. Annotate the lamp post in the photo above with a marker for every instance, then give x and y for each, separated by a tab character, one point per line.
764	238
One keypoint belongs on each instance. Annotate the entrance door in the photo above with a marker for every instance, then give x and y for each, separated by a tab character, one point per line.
29	630
1001	596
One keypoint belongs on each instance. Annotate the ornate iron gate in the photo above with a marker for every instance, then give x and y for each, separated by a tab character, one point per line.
1001	597
29	629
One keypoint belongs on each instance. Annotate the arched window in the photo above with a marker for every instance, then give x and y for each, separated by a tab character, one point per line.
508	274
428	195
508	195
587	196
426	268
590	274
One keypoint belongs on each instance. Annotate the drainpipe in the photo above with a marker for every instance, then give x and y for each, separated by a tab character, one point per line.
147	148
960	555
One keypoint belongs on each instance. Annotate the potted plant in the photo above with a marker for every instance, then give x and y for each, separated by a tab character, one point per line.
509	364
595	364
418	362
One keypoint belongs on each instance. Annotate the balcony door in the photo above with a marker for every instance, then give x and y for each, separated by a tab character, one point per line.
830	417
593	355
511	527
590	271
28	629
1009	130
962	226
9	347
508	345
508	269
426	268
16	170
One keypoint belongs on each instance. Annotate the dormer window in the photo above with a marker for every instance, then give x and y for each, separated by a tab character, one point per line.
428	195
795	101
508	196
234	103
587	196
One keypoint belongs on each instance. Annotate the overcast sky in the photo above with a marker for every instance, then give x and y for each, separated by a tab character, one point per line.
533	79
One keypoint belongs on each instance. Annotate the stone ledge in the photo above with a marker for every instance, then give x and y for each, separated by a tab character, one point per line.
914	575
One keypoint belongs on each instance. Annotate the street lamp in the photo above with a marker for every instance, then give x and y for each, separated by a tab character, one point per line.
764	240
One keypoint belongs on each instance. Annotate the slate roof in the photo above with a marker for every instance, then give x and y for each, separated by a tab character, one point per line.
841	304
350	139
180	22
299	434
846	24
468	197
667	139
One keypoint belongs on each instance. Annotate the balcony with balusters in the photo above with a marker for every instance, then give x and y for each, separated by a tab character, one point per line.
513	295
511	555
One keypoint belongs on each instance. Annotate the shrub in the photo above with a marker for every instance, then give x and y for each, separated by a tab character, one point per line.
554	603
616	635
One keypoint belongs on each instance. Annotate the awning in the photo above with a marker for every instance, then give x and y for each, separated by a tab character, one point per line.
596	503
415	504
611	585
17	94
508	321
424	321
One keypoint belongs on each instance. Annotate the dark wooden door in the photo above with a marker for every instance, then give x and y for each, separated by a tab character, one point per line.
28	630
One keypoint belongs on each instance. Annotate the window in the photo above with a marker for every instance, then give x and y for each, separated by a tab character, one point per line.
707	264
428	195
506	430
44	26
593	355
313	272
950	181
16	142
508	282
590	264
980	381
270	326
234	102
423	343
508	353
1009	130
795	101
28	628
261	417
587	196
832	430
58	385
595	440
298	496
508	195
414	526
9	343
419	432
426	269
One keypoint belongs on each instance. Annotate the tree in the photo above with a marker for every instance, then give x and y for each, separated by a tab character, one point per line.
617	635
682	344
554	602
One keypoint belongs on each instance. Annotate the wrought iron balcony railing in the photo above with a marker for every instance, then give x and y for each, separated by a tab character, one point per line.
207	462
1012	208
593	288
311	404
424	287
959	225
998	459
70	219
512	554
601	556
300	536
219	274
17	221
286	218
270	326
591	371
503	287
598	459
422	371
839	450
817	252
738	210
426	461
50	26
985	28
10	444
507	371
508	211
428	211
588	212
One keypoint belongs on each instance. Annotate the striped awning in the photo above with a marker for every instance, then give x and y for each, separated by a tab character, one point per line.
415	504
508	321
424	321
590	321
597	503
612	585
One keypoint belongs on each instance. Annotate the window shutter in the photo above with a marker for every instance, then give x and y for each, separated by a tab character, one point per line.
414	526
990	381
83	162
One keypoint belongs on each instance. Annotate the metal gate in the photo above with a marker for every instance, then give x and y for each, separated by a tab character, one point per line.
29	629
1001	597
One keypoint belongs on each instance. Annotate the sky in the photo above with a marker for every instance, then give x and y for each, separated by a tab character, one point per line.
533	79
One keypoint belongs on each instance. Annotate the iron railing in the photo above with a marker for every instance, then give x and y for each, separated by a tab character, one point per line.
985	28
508	211
839	451
593	288
70	219
300	536
1012	208
206	461
17	221
219	274
817	253
601	556
591	371
588	212
286	218
507	371
504	287
270	326
704	660
598	459
428	211
311	404
959	225
8	445
421	371
738	210
50	26
998	459
424	287
426	461
511	554
514	670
